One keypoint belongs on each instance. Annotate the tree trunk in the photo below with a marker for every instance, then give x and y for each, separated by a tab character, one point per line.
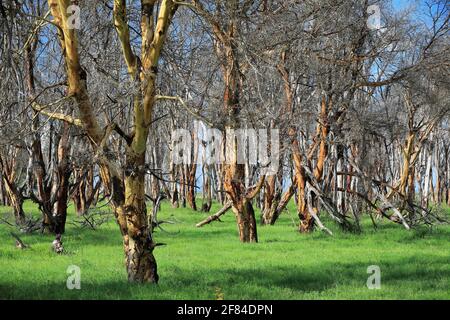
207	190
242	206
245	216
3	197
15	200
13	193
61	184
127	197
306	219
271	201
191	170
86	192
173	191
138	243
190	186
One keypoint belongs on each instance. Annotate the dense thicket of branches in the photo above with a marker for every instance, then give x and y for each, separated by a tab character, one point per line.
357	89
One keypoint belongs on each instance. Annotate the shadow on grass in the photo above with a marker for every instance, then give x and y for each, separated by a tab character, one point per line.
189	284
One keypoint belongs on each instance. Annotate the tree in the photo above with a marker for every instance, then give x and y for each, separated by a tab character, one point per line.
125	186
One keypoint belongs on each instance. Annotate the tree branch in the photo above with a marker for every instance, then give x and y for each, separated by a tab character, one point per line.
216	216
255	189
56	115
188	109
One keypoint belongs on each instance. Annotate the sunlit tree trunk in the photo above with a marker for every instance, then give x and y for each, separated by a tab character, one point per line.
306	218
234	172
128	194
274	202
271	200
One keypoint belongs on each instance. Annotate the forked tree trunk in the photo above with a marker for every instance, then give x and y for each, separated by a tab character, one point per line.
86	192
241	205
241	202
406	182
271	201
306	219
234	184
233	172
127	195
53	195
38	174
79	195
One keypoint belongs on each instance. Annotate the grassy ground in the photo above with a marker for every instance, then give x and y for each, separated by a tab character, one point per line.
210	262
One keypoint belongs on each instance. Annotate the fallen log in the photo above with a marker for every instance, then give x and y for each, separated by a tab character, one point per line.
216	216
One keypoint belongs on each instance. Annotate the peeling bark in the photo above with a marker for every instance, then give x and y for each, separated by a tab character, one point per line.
127	195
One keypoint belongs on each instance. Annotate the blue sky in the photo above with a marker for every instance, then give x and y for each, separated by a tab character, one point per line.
419	5
401	4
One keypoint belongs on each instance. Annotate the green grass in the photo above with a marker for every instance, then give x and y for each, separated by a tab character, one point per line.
204	263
